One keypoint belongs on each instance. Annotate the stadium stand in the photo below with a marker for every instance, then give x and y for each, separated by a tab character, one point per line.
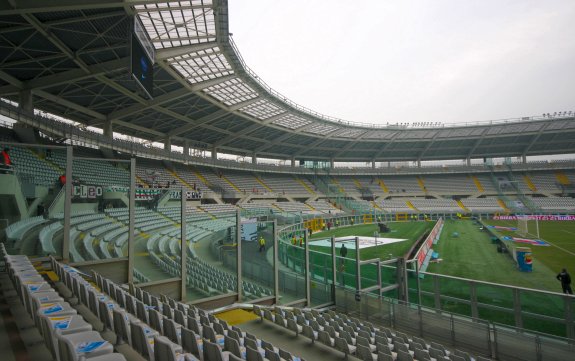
487	204
64	82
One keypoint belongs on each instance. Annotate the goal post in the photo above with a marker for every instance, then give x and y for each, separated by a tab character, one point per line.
527	227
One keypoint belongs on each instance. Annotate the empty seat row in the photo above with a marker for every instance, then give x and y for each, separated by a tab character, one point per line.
359	338
66	334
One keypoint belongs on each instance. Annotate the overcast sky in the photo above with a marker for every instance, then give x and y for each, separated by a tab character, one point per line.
394	61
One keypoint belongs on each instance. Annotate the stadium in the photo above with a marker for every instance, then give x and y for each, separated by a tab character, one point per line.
160	201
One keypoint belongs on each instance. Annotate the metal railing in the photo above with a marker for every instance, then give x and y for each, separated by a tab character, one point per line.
88	138
477	336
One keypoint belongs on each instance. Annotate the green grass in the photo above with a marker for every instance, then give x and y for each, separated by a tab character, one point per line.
561	253
404	230
472	255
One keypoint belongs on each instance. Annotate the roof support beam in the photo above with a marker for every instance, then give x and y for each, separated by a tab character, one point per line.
208	118
69	104
387	145
168	53
535	138
134	109
34	6
250	129
68	76
140	128
477	143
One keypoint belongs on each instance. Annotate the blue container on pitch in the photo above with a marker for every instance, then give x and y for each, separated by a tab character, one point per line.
524	259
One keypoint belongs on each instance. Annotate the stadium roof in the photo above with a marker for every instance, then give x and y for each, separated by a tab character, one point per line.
74	57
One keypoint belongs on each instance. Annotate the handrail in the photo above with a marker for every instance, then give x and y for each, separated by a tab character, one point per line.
85	137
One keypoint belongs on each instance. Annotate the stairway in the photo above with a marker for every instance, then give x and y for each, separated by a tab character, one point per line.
503	205
307	188
421	184
258	179
562	178
382	185
410	205
477	183
173	173
529	183
462	206
201	177
231	184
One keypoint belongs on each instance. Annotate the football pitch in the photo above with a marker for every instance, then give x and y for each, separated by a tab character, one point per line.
410	231
471	254
468	252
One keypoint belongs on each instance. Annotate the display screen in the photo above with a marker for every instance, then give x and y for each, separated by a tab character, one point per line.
142	67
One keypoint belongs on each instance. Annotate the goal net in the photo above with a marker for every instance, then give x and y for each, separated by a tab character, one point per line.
527	227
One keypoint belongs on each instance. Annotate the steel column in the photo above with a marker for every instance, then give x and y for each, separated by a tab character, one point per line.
131	220
67	203
184	255
239	253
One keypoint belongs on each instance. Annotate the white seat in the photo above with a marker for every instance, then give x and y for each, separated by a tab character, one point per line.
83	344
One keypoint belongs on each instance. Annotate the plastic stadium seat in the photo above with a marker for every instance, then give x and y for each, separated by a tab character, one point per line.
83	344
212	352
404	356
192	343
143	340
50	327
166	350
233	346
253	355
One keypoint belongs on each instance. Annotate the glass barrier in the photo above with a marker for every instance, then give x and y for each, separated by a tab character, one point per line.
28	187
157	242
458	300
212	251
546	305
291	275
321	274
258	251
99	213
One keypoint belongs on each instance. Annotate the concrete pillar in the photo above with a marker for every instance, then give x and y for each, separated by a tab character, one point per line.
524	159
26	103
388	164
293	162
418	163
373	164
214	152
469	162
254	159
168	144
331	163
186	148
108	129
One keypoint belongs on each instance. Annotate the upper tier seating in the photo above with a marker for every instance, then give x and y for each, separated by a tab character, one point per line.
544	181
100	173
285	183
324	207
488	204
449	184
294	207
154	174
394	205
436	205
246	182
403	184
216	180
32	169
565	204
